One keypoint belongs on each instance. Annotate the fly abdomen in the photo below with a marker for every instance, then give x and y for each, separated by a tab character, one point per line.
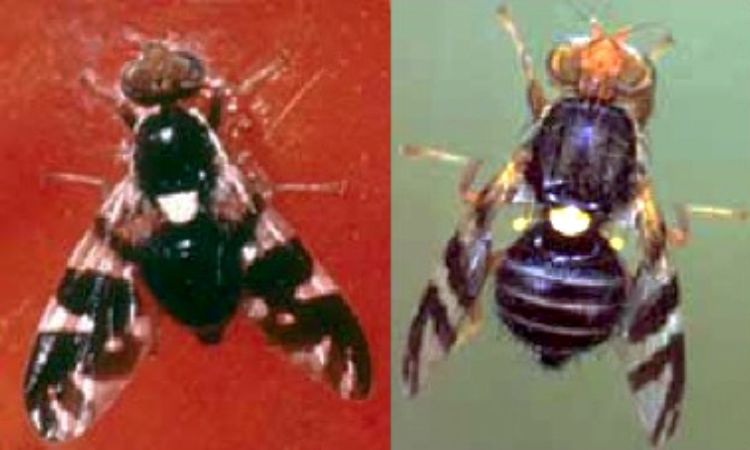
194	271
560	295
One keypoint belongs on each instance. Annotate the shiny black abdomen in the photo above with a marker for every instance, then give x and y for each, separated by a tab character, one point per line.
584	154
558	294
194	270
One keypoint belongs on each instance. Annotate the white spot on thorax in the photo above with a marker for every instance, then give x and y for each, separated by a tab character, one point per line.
179	207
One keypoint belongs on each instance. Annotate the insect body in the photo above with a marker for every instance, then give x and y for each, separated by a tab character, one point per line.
564	293
561	288
202	238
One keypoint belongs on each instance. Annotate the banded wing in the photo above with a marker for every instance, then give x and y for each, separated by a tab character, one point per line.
300	308
91	334
448	309
653	349
448	312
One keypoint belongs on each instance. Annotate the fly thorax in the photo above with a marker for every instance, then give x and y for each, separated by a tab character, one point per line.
175	163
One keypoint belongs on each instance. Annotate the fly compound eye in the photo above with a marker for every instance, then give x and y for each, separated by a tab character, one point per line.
564	65
162	75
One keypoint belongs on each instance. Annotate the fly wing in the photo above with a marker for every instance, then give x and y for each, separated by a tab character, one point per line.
448	309
91	334
653	350
301	309
448	312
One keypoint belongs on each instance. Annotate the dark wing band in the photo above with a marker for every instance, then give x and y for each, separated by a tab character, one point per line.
448	305
90	337
300	308
654	351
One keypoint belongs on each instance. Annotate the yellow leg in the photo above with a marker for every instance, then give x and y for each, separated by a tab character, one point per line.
434	153
502	187
535	92
680	235
471	166
656	233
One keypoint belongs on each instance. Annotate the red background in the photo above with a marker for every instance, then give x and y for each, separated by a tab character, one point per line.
240	394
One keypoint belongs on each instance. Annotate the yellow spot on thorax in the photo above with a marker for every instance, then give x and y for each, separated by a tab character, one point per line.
569	220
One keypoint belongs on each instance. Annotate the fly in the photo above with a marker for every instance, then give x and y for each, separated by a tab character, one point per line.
188	224
562	288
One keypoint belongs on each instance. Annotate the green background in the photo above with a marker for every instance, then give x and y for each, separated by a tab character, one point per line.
456	84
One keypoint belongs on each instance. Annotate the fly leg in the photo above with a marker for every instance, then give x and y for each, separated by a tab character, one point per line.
681	234
123	108
469	173
251	84
223	97
329	187
656	234
294	100
77	178
262	184
535	92
653	232
249	87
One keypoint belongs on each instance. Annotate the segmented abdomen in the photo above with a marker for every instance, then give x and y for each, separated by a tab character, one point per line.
560	295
